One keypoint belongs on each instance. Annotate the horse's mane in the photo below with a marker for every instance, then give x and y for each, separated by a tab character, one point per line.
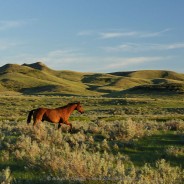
72	103
69	104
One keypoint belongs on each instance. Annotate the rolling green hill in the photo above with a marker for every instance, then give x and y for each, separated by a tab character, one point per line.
37	78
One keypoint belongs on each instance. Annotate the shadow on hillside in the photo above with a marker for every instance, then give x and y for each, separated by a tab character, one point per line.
47	90
153	148
97	77
155	89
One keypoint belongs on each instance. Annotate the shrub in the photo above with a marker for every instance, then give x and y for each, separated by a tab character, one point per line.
175	151
163	173
5	176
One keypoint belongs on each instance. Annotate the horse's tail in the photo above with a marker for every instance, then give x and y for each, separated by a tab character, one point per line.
29	116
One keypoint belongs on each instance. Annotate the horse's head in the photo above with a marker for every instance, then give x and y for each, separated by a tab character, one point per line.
79	108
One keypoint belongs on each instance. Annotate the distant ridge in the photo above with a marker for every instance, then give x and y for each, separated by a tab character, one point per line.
37	78
151	74
9	67
37	65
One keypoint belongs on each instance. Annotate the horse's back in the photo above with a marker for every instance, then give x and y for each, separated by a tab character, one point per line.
41	110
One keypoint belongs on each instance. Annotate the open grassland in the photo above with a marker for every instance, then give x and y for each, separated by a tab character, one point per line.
135	139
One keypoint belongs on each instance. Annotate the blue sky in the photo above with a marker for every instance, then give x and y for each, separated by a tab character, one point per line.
93	35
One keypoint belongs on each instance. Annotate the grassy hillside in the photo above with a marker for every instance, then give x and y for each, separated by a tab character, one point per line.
37	78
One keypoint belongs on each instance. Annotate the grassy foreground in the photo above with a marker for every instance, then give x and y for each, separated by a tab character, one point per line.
117	140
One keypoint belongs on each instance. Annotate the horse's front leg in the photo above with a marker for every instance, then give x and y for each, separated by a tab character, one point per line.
60	123
69	124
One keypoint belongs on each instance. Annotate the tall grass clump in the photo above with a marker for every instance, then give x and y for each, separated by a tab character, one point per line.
6	176
162	173
125	130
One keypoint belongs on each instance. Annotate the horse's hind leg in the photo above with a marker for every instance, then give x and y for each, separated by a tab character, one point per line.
36	121
59	126
37	118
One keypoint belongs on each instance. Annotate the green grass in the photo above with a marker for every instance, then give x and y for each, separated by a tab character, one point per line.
152	148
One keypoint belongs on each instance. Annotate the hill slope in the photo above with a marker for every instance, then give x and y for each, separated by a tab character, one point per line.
37	78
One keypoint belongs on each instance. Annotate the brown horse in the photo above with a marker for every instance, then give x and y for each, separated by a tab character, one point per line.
58	115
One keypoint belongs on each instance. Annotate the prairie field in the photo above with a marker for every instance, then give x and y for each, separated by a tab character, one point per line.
135	139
